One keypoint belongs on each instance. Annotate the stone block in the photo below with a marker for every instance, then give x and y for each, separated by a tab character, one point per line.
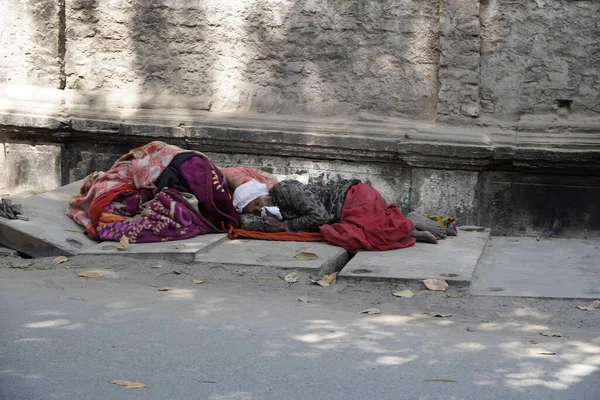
30	168
453	259
448	193
177	251
526	267
537	205
49	232
263	253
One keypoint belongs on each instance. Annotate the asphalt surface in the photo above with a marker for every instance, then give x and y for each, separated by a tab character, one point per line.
67	337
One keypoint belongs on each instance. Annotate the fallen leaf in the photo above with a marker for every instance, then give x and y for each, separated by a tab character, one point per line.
437	315
308	299
436	284
164	289
370	311
453	296
548	353
532	342
59	260
331	278
593	306
123	243
551	334
291	277
176	272
440	380
270	278
198	281
90	274
74	230
128	384
321	282
403	293
304	256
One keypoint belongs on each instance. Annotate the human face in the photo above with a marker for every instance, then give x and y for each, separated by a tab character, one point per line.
257	204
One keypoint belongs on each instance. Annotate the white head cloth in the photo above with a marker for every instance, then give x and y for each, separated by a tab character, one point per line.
246	193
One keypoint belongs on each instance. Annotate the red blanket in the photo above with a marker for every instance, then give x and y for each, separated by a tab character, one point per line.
369	223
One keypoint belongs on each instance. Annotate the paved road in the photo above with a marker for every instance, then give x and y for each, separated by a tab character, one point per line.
64	337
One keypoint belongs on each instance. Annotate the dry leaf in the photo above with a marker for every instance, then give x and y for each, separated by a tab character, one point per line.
551	334
198	281
123	243
331	278
291	277
532	342
436	284
321	282
270	278
304	256
403	293
437	315
90	274
128	384
370	311
440	380
308	299
593	306
60	260
164	289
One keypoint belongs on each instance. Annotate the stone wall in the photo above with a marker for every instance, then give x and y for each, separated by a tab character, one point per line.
29	43
540	57
454	60
319	57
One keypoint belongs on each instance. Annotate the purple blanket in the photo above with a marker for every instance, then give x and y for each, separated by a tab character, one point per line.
168	215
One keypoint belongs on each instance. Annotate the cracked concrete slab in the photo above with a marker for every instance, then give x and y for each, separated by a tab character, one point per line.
177	250
262	253
453	259
49	231
528	267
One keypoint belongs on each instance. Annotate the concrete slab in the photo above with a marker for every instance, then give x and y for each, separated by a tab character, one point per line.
49	232
262	253
5	251
526	267
453	259
178	250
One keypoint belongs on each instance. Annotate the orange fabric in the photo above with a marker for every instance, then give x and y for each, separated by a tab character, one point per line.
108	217
233	233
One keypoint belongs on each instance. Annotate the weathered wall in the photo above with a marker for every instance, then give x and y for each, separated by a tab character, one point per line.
319	57
454	60
540	57
29	51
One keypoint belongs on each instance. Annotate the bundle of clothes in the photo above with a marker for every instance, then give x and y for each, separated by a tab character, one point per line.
156	192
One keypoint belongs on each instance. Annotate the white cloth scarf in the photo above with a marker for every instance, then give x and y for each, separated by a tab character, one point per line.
248	192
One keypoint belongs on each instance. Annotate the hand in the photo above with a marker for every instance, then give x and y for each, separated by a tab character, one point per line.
273	224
